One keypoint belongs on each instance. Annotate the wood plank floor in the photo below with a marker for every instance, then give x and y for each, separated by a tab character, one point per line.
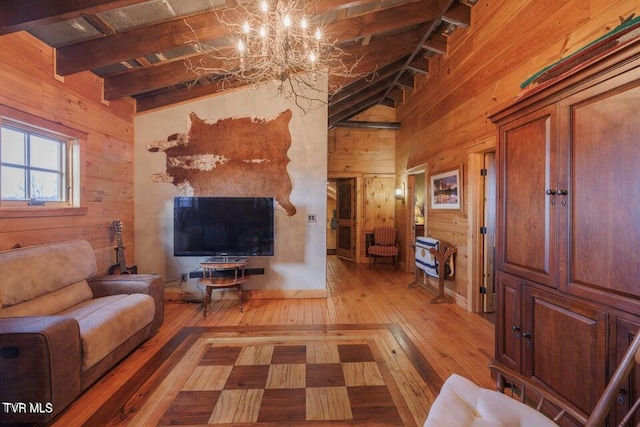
451	339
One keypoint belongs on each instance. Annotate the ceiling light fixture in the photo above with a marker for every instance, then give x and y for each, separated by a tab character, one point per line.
279	43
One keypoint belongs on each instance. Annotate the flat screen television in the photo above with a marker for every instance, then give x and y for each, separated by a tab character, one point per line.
223	226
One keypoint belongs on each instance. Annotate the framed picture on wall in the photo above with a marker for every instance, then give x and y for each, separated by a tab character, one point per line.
446	189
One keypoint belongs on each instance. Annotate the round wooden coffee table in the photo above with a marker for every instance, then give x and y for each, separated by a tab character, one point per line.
212	281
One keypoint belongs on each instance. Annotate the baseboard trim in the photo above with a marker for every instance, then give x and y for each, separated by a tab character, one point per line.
172	293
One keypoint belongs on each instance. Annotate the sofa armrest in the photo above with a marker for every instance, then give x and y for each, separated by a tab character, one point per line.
150	284
40	364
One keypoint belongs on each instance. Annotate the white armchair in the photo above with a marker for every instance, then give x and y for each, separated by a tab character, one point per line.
461	403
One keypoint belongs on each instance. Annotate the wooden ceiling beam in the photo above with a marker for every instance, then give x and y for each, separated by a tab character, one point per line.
436	43
368	125
20	15
169	73
387	20
459	14
420	64
141	80
406	80
349	102
364	82
138	42
355	109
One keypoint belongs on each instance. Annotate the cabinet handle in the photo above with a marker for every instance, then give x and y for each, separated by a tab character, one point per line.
562	192
551	192
515	328
526	335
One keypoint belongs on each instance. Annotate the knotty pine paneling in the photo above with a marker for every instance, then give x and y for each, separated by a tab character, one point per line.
27	83
445	118
370	156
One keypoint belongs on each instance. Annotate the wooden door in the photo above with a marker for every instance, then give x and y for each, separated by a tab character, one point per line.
601	220
526	215
565	346
346	211
509	322
488	236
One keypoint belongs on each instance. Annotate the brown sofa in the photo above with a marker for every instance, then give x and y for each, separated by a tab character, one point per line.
61	327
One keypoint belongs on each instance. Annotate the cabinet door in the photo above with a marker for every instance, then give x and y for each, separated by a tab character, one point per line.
565	346
509	322
526	218
600	241
625	332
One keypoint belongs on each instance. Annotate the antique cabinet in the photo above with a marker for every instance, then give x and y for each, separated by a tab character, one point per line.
568	231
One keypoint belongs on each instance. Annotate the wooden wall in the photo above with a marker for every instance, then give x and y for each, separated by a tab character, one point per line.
369	155
444	119
28	84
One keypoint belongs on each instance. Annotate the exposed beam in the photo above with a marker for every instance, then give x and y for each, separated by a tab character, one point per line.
19	15
365	82
368	125
379	53
428	31
349	102
182	94
355	109
459	14
396	94
420	64
389	102
140	80
386	20
406	80
139	42
436	43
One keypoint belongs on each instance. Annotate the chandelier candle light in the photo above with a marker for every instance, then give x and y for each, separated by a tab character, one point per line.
274	43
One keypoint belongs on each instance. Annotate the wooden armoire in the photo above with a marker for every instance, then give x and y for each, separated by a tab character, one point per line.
568	230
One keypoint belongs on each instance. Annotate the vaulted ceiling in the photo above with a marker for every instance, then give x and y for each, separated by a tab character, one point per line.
139	47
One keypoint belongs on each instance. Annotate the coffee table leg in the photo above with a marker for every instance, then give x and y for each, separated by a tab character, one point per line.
207	299
240	296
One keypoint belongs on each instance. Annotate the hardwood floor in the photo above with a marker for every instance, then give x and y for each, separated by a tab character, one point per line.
451	339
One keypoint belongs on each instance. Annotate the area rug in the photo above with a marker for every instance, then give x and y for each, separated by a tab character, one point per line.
298	375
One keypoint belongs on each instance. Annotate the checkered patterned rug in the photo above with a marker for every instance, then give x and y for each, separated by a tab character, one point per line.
328	375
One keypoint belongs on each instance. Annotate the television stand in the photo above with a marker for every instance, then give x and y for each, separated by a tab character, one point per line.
210	281
226	259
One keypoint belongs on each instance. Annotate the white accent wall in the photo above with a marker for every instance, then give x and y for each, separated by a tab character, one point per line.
299	263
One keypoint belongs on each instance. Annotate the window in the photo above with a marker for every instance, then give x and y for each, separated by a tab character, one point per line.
33	164
39	164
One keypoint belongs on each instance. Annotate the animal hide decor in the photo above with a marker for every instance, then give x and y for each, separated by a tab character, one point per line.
244	157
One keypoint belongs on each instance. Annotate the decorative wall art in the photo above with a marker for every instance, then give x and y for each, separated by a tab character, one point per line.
446	190
243	157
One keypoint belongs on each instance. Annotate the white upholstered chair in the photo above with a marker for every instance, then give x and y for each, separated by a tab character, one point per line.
461	403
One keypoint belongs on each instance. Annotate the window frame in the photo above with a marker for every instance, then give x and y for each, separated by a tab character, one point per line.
74	174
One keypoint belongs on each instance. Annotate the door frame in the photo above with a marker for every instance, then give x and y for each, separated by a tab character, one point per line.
358	205
409	178
475	207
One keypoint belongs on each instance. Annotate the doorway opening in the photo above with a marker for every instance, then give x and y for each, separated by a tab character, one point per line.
341	218
482	216
416	210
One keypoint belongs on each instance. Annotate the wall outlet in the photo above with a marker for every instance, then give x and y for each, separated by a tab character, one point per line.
184	277
311	218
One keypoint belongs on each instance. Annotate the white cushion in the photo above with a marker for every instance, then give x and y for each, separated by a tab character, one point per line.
462	403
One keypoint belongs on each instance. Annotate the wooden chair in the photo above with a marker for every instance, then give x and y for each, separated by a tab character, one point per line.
384	245
462	403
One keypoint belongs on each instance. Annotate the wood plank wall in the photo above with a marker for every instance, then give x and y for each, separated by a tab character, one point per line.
444	119
369	155
28	84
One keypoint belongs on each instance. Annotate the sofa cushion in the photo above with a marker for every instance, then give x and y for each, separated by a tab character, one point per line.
30	272
52	303
461	403
107	322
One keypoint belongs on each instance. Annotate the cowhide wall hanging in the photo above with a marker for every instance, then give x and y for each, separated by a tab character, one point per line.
230	157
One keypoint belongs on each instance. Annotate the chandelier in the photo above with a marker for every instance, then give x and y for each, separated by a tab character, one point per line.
275	42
